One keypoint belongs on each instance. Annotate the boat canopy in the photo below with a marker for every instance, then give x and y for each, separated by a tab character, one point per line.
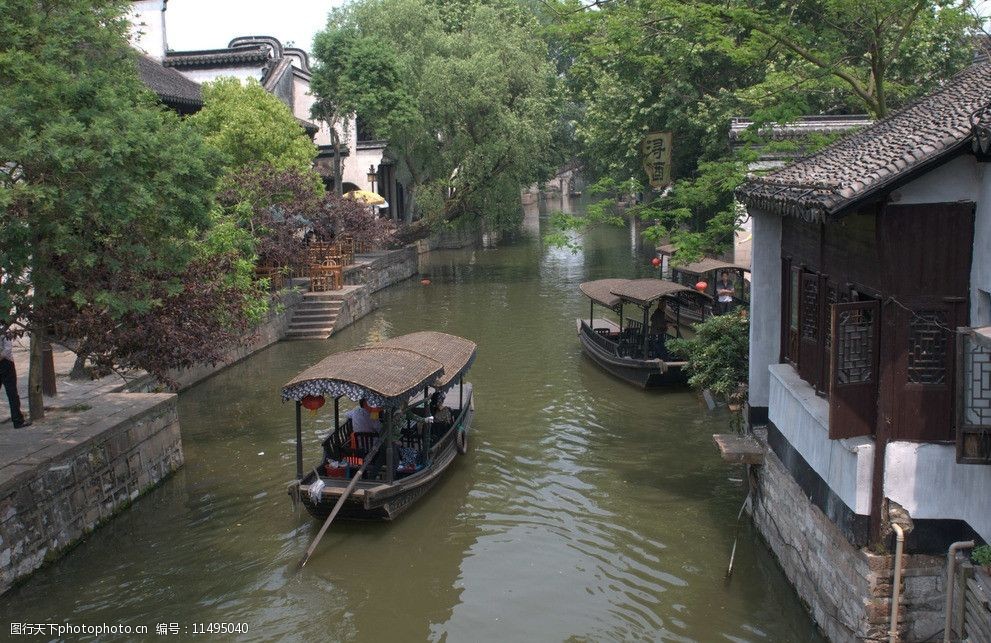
601	291
644	292
708	264
456	353
384	376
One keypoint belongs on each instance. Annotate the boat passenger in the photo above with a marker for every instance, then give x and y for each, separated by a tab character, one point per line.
363	420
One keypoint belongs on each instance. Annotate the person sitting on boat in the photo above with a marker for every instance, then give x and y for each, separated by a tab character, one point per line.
364	418
658	332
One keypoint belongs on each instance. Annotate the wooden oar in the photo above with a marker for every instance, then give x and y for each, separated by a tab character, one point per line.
340	503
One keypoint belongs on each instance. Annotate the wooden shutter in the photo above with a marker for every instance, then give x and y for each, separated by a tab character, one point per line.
853	372
809	328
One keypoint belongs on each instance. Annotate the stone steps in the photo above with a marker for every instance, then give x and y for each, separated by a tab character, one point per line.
315	316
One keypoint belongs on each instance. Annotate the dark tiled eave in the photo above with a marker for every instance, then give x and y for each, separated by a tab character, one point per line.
879	158
217	57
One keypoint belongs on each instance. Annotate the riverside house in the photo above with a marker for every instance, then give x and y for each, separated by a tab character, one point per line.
870	367
284	72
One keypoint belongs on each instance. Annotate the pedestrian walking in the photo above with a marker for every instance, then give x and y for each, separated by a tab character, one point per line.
8	380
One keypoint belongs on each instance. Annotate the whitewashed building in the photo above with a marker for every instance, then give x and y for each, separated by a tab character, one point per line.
284	72
869	385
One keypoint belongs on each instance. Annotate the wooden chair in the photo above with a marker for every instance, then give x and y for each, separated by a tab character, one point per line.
276	279
347	250
326	276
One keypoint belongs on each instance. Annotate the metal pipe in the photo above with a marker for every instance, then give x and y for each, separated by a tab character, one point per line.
951	568
896	582
299	440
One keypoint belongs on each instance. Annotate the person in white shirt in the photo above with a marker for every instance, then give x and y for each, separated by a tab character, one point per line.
8	380
725	289
362	420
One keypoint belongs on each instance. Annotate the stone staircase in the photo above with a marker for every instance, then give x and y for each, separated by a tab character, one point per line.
315	316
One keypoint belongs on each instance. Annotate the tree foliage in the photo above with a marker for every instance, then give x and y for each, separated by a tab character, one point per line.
105	196
637	66
718	354
464	95
251	127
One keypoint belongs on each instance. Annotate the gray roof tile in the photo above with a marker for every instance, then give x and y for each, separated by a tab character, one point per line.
865	163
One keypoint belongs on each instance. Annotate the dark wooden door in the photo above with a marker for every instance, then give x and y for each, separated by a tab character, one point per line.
853	369
924	367
926	260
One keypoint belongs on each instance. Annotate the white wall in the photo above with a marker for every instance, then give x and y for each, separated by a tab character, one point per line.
928	482
980	270
956	180
802	417
765	303
206	75
148	27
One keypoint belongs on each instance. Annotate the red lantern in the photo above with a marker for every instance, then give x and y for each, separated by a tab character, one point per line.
701	286
655	262
312	402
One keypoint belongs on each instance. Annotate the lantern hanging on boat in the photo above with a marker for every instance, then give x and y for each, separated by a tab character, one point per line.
656	261
312	402
701	286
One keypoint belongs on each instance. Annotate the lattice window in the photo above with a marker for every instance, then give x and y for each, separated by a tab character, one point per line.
810	307
827	328
974	403
927	346
855	351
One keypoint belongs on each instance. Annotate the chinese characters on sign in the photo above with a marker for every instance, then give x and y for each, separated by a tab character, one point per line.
657	158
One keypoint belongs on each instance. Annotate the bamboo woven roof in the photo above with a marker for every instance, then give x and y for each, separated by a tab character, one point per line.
601	291
455	353
646	291
708	264
386	376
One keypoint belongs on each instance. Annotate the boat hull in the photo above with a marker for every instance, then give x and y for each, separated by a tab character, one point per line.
375	500
644	373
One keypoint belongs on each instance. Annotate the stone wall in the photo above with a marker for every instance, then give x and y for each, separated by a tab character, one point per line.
66	490
846	590
449	239
355	305
384	269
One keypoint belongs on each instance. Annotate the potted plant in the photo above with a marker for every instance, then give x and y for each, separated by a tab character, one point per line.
981	555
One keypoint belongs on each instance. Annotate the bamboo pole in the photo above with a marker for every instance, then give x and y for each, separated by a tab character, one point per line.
340	503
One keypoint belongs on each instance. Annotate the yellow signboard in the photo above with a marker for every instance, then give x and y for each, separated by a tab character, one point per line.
657	158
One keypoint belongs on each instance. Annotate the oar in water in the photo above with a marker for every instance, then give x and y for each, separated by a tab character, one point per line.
340	503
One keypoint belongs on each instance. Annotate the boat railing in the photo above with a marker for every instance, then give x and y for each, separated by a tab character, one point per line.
335	443
599	336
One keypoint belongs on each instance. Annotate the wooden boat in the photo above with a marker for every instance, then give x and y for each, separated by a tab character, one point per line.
707	270
388	375
632	351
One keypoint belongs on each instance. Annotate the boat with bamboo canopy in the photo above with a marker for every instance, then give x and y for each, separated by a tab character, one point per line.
378	475
634	349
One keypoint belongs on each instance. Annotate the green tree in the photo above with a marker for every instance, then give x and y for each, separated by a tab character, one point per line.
465	98
688	67
251	127
98	184
718	355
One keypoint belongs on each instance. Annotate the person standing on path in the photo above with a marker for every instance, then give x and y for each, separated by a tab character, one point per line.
8	380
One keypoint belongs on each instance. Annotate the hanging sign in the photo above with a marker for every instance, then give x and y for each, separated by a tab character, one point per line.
656	150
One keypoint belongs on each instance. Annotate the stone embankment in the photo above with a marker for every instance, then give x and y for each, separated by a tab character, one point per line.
104	443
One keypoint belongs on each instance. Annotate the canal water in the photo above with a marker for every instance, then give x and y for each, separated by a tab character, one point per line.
585	509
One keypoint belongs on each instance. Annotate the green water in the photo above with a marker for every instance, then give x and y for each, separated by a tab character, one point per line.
585	509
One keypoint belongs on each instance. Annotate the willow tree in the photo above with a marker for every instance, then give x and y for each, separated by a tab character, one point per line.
464	98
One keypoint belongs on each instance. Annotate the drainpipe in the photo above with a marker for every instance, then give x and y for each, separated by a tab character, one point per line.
897	582
951	568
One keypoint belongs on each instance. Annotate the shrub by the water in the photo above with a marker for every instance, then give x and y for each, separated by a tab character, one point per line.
718	355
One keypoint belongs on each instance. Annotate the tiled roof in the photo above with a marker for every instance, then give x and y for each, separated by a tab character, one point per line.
865	163
218	57
172	87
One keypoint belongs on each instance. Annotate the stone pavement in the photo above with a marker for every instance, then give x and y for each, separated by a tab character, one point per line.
70	416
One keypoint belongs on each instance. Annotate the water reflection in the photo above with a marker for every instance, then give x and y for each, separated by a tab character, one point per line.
586	509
